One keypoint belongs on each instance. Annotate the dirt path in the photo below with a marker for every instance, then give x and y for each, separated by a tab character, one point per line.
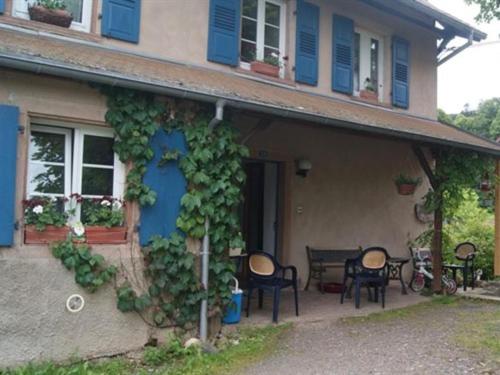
432	338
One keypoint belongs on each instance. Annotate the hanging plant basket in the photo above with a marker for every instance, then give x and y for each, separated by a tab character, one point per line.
264	68
58	17
406	189
51	233
104	235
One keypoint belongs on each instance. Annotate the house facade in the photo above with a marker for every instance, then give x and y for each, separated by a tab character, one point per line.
330	96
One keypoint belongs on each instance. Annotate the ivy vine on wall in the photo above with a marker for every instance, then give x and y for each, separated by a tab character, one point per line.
214	173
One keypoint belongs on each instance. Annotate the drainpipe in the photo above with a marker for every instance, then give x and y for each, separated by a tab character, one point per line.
219	115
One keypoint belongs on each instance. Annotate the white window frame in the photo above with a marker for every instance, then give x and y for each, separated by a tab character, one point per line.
20	10
75	136
261	29
365	38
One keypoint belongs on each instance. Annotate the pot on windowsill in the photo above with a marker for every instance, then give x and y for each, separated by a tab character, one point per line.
105	235
369	95
51	233
406	189
58	17
265	68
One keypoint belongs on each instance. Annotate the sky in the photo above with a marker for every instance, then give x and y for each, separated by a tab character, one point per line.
474	74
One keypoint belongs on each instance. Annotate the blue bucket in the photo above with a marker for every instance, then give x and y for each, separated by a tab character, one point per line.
233	311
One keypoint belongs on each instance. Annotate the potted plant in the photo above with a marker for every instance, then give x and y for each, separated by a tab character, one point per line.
52	12
369	92
45	222
270	66
406	185
104	219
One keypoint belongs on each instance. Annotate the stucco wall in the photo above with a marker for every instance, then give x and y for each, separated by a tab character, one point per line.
348	199
176	38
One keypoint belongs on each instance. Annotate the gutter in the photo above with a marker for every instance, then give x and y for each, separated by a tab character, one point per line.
38	66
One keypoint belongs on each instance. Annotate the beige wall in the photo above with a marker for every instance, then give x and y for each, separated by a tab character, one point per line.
349	198
177	30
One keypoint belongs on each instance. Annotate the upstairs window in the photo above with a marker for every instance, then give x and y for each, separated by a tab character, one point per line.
80	9
368	63
63	161
262	30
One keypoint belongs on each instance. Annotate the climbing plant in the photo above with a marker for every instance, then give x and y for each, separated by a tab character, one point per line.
214	174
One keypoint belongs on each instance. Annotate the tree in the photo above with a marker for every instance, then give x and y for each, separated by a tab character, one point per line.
484	121
488	9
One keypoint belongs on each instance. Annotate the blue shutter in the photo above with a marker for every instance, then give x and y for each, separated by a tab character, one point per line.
400	73
2	6
169	184
121	19
224	31
9	125
307	39
343	54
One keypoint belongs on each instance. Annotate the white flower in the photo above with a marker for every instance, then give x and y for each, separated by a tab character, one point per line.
117	205
105	203
38	210
78	229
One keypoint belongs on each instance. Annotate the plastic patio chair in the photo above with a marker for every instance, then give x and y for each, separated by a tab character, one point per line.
265	273
464	252
369	269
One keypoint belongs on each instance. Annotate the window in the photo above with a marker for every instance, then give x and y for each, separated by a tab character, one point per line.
80	9
63	161
368	62
262	29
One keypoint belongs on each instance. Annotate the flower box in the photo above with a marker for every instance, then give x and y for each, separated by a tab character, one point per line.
369	95
104	235
264	68
406	189
51	233
58	17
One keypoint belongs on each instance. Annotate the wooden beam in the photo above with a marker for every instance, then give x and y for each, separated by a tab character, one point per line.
497	219
425	166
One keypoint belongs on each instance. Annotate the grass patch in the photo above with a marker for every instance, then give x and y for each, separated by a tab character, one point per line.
405	312
245	347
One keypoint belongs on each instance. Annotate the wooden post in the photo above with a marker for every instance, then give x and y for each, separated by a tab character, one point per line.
497	219
437	240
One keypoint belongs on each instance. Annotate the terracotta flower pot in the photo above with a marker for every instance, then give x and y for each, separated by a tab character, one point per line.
58	17
104	235
406	189
51	233
368	95
264	68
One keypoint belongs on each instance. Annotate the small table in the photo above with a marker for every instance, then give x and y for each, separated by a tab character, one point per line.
396	265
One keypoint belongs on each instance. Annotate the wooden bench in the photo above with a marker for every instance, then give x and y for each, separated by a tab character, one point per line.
322	259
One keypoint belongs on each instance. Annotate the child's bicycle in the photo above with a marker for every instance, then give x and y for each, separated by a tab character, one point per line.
422	270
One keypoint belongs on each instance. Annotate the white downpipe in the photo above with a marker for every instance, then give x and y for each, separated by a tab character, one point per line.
205	251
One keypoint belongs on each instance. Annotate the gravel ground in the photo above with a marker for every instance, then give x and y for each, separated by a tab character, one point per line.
423	341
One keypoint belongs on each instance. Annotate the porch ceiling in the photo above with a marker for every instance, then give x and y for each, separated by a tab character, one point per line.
93	62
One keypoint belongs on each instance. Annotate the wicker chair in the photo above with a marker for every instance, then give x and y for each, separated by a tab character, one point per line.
265	273
369	269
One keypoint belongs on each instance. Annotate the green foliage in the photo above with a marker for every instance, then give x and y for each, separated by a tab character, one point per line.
135	117
488	9
105	211
43	211
215	176
403	179
52	4
484	121
91	272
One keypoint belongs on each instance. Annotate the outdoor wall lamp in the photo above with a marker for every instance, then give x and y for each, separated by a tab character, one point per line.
303	166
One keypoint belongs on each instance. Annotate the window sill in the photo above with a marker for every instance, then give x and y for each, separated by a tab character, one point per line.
94	235
262	77
369	101
51	29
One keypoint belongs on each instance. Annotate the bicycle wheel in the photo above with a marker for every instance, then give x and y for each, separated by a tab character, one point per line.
450	285
418	282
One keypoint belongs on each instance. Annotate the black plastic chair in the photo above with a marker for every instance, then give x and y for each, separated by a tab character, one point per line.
265	273
464	252
369	269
